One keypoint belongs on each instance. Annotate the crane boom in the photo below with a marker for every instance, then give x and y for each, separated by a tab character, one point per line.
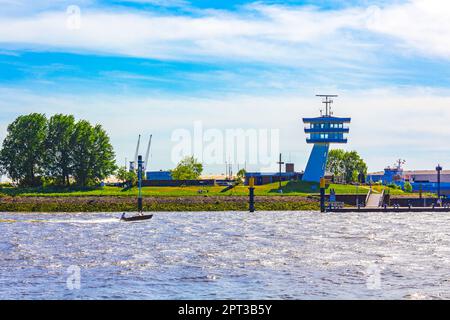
147	154
137	151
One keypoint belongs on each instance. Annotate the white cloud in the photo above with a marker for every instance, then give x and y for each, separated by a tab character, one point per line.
162	3
290	35
385	125
26	7
422	25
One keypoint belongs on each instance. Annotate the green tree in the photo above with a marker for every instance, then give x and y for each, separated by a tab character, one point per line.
346	164
240	175
92	155
335	163
81	156
58	148
408	187
355	174
122	174
353	163
187	169
22	154
126	176
35	150
104	163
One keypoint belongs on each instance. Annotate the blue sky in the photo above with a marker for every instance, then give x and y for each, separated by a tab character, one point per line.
150	66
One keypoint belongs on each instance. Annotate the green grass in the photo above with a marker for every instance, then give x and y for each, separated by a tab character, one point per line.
119	199
298	188
291	188
149	207
108	191
392	191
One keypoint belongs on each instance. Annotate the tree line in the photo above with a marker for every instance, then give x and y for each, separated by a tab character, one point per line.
346	164
58	151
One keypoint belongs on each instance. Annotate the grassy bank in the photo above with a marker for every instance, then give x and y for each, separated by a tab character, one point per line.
295	196
292	188
117	204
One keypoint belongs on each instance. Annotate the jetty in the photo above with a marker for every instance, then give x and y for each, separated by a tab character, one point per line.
389	209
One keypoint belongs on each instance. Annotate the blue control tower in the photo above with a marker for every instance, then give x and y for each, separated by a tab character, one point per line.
322	131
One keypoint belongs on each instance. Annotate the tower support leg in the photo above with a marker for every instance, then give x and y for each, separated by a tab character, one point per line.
315	169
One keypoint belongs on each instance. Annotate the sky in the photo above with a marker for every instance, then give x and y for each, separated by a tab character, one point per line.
155	67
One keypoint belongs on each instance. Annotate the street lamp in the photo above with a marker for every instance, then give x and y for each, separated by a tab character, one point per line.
279	176
439	169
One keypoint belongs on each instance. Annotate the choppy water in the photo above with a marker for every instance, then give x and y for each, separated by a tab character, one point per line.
265	255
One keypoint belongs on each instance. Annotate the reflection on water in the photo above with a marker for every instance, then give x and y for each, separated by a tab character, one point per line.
265	255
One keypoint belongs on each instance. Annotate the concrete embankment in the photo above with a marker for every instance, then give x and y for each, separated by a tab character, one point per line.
186	203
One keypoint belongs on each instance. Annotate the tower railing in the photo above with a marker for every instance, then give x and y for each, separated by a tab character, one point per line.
326	140
327	130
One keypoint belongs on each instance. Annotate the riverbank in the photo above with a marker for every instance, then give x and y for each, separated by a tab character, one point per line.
291	188
185	203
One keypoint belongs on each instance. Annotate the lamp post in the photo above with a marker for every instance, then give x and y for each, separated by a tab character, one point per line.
439	169
140	164
279	172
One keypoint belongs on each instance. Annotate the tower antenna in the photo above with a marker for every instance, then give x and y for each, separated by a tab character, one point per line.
399	163
327	102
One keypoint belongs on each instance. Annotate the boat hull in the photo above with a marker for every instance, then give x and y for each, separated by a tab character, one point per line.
137	218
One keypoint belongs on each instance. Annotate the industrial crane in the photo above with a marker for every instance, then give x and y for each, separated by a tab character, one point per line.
133	163
147	155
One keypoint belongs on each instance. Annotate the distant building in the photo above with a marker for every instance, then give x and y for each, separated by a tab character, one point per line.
270	177
289	167
393	175
165	179
158	175
420	180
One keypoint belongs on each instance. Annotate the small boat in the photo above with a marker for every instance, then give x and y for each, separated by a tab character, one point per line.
140	216
136	218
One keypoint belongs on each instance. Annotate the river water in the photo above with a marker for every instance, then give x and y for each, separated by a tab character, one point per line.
222	255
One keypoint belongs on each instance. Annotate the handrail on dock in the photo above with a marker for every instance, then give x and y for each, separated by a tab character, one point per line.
391	209
367	197
380	203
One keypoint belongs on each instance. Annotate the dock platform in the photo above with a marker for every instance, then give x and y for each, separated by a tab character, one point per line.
390	209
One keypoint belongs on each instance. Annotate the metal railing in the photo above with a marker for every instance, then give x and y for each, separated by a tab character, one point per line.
380	203
367	197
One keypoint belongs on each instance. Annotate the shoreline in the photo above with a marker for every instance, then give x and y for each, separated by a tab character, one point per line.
151	204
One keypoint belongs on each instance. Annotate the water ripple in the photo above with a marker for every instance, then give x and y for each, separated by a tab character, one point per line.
201	255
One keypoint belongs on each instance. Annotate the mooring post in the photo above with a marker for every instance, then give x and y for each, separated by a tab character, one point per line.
439	169
139	183
322	195
251	194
